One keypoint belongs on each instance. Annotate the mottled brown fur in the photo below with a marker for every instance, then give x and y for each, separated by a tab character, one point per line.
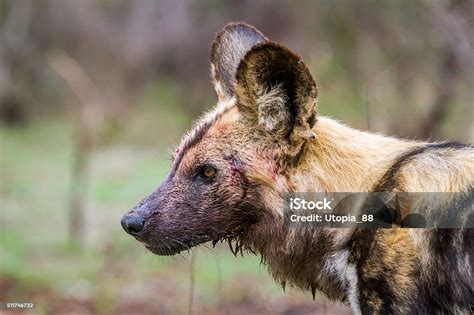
264	140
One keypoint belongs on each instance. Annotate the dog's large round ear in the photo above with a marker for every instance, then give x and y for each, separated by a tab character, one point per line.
228	49
276	92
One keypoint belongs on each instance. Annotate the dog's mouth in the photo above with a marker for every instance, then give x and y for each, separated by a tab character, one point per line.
164	250
174	247
170	246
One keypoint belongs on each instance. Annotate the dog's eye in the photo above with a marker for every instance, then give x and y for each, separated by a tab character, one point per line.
207	171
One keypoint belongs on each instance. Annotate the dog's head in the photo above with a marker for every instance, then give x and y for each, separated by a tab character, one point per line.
215	189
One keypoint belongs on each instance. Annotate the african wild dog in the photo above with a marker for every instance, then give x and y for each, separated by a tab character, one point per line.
263	140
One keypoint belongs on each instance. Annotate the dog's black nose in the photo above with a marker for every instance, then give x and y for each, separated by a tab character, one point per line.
132	223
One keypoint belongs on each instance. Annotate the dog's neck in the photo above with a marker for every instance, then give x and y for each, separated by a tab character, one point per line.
299	257
343	159
339	159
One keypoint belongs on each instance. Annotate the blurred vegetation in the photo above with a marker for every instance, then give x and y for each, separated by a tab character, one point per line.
94	94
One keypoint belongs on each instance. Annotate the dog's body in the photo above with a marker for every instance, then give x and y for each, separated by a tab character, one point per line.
231	172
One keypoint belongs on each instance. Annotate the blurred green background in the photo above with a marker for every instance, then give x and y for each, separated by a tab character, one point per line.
94	94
